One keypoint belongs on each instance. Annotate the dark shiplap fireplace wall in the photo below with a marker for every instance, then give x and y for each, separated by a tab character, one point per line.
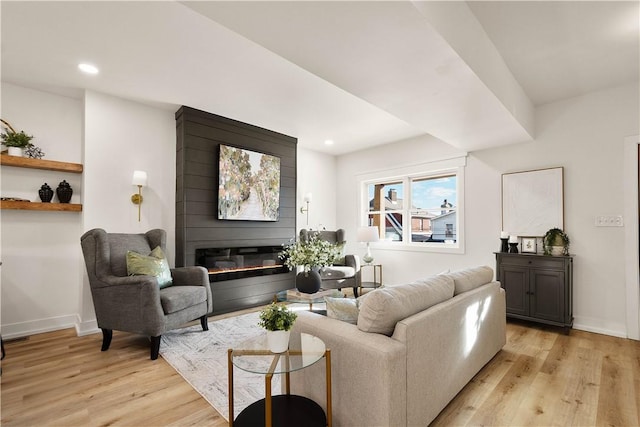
199	135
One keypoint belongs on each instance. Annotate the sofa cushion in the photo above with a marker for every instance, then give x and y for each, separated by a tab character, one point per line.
154	264
176	298
384	307
345	309
470	278
335	272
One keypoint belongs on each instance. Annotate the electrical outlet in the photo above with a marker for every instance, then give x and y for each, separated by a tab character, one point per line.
609	221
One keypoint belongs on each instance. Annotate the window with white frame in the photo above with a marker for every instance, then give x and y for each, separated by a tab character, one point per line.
418	209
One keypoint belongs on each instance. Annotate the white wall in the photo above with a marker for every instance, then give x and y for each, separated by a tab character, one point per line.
122	136
40	250
585	135
317	175
44	283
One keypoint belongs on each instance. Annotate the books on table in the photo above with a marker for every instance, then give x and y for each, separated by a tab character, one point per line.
296	294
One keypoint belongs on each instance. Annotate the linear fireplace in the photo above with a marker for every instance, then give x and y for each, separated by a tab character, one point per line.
238	263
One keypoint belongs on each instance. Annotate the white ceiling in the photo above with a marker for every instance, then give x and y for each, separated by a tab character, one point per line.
360	73
562	49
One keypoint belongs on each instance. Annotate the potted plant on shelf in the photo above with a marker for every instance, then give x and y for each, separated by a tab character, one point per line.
311	255
278	320
16	141
556	242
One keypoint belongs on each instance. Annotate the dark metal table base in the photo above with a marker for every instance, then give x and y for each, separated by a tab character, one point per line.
287	410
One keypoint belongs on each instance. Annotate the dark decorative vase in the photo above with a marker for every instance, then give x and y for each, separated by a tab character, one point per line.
505	245
45	193
308	282
64	192
513	248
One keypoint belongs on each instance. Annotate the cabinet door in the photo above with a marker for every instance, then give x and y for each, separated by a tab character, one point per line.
547	294
515	281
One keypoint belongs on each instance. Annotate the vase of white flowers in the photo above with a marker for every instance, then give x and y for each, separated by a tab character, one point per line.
310	255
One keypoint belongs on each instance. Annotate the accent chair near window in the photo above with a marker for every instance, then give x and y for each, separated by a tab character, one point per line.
345	273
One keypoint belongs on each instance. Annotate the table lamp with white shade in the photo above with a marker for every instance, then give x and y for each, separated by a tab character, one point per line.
368	235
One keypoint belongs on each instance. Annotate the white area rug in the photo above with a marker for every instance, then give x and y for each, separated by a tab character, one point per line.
201	358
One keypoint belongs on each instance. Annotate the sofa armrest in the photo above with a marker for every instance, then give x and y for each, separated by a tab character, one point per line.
135	281
447	344
368	373
129	303
190	276
352	261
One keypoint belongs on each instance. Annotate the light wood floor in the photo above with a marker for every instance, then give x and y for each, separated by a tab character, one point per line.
540	378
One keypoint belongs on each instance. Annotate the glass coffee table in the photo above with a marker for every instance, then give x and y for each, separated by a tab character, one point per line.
297	297
282	410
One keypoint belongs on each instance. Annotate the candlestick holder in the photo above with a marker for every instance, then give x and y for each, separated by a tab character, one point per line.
513	248
504	247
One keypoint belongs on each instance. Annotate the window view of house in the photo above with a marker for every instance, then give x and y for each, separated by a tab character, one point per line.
428	204
386	209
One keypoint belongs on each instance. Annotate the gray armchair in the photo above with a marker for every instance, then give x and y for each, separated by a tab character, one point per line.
136	303
345	273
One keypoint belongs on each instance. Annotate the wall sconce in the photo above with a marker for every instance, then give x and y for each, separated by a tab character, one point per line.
139	179
307	200
368	235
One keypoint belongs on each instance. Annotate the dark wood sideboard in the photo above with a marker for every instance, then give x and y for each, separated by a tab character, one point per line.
538	288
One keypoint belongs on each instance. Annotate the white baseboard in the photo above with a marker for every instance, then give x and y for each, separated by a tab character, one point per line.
87	328
23	329
32	327
596	326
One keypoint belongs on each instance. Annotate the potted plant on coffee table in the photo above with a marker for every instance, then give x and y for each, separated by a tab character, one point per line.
278	320
556	242
16	141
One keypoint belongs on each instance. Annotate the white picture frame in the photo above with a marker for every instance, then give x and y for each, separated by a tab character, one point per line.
529	245
532	201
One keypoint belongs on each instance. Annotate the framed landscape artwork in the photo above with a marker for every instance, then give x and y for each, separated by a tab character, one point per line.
248	185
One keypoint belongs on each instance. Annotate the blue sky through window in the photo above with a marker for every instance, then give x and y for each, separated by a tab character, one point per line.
431	193
426	193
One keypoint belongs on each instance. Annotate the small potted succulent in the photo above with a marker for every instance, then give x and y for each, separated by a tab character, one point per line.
278	320
16	141
556	242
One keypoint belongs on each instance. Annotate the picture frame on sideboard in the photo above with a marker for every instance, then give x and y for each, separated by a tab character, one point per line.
529	245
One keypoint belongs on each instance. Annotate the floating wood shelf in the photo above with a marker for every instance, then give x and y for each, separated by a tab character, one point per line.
51	165
37	206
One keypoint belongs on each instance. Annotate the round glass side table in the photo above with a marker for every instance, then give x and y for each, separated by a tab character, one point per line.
254	356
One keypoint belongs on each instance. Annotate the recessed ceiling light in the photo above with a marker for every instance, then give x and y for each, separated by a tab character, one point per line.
88	68
328	142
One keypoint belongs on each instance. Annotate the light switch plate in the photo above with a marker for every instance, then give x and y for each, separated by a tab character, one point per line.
609	221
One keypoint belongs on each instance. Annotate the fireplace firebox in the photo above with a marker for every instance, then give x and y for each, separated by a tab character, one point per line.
238	263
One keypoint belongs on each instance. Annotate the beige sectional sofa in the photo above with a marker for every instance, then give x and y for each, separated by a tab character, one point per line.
414	347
